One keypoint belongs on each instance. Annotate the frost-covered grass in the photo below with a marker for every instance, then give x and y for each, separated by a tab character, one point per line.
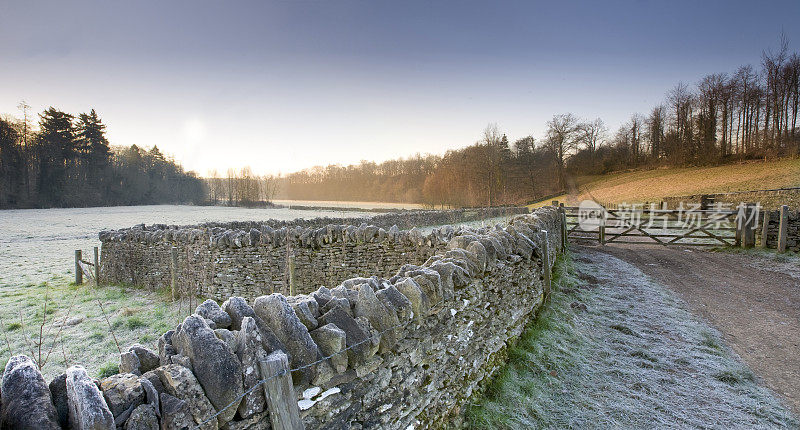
76	330
636	358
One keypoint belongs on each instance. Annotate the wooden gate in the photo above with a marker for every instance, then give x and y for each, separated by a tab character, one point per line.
636	224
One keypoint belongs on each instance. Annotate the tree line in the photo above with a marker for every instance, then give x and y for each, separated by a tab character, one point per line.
750	113
240	188
67	161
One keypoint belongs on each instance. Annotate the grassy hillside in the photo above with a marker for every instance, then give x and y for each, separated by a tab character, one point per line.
652	185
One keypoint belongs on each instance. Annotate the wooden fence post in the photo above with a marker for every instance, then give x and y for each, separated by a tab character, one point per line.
783	228
748	227
602	228
764	230
96	266
546	265
291	276
564	231
281	399
78	270
173	253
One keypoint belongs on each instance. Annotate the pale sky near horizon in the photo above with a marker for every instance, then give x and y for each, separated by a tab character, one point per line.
281	86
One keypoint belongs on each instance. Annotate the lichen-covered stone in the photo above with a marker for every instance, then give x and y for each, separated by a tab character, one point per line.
250	352
393	298
362	346
122	392
148	359
419	300
87	407
380	317
209	309
142	418
129	363
279	316
213	363
26	400
180	383
175	414
331	341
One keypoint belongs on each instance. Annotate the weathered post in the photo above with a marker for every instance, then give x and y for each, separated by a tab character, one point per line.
748	226
783	228
564	231
78	270
764	230
96	266
602	228
173	253
291	276
664	206
281	399
546	264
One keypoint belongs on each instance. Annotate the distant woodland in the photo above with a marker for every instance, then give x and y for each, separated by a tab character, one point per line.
748	113
66	161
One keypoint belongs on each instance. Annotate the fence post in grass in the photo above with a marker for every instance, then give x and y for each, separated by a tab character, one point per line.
173	253
96	266
564	231
281	399
78	270
783	228
546	264
764	230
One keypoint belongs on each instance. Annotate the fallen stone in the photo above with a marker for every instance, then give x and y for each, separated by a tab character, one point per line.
213	363
87	407
26	400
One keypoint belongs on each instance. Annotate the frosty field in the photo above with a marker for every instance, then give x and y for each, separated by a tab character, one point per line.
38	244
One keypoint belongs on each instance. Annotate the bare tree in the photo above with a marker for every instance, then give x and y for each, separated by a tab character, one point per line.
562	134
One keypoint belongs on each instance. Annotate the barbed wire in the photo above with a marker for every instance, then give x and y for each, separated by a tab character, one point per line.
297	369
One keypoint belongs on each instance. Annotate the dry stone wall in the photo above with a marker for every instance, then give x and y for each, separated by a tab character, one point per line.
250	259
792	230
406	351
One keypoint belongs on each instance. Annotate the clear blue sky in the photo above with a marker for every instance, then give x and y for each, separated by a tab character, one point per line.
285	85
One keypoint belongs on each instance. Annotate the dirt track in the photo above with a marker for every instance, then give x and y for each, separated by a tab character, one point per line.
753	300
